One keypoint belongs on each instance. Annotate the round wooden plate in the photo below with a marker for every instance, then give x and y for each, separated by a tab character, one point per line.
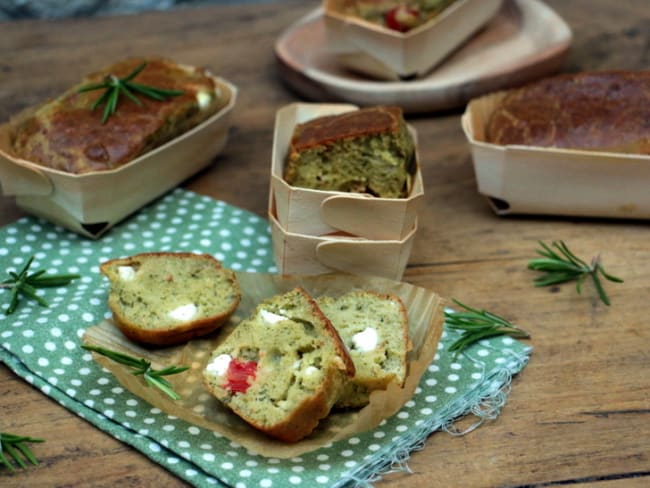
525	41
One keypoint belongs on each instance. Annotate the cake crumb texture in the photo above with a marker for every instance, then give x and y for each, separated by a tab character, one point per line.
363	151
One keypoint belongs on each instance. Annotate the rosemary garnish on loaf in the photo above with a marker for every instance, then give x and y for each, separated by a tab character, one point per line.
14	447
478	325
566	266
24	283
141	366
114	87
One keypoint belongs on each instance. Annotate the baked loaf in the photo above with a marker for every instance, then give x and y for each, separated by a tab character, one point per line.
282	369
168	298
374	328
599	111
365	151
65	134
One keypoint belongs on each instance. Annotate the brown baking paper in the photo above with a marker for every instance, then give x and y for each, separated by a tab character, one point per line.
197	406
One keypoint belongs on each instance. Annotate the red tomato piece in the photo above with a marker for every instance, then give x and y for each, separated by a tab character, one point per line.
240	375
401	18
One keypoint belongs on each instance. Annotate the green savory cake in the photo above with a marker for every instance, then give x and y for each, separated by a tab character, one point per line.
165	298
281	369
364	151
374	328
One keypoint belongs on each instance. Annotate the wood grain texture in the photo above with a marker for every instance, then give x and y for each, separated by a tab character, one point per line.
579	414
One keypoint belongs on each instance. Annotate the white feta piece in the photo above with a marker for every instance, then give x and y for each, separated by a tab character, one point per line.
365	341
311	370
126	273
271	318
203	99
184	312
219	365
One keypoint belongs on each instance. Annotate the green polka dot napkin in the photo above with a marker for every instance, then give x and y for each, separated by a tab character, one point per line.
42	346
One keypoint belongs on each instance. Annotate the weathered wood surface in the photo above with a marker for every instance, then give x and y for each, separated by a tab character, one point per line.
578	414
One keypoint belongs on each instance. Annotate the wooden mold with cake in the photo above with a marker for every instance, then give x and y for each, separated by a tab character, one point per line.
345	189
398	39
571	144
119	138
400	16
291	364
338	168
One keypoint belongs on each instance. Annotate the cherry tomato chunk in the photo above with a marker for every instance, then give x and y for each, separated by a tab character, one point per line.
401	18
240	375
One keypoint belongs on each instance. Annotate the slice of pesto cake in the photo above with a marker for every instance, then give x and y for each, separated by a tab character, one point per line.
166	298
374	328
282	369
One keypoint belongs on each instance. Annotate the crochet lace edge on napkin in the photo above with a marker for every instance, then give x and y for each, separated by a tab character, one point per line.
484	402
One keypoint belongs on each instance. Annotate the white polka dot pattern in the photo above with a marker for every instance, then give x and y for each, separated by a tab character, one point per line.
42	346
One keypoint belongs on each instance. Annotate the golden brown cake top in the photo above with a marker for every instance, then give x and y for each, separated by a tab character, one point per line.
330	128
66	134
590	110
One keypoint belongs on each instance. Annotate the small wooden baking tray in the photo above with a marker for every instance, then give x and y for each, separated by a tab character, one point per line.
314	255
388	54
92	203
318	212
553	181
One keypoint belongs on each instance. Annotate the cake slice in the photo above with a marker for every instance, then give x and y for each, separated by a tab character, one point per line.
363	151
282	369
374	328
166	298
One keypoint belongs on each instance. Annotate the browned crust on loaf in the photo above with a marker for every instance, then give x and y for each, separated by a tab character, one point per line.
304	419
171	336
302	422
176	334
607	111
330	128
65	134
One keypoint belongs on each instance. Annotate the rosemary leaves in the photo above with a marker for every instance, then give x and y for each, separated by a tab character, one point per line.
477	325
114	87
24	283
13	446
562	266
141	366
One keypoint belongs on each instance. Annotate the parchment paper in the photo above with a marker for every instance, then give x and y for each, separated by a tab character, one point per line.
425	313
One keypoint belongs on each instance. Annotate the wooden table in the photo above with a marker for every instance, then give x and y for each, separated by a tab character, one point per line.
578	414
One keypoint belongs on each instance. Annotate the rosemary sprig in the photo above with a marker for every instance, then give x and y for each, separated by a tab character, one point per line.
114	87
566	266
477	325
24	283
14	446
142	367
